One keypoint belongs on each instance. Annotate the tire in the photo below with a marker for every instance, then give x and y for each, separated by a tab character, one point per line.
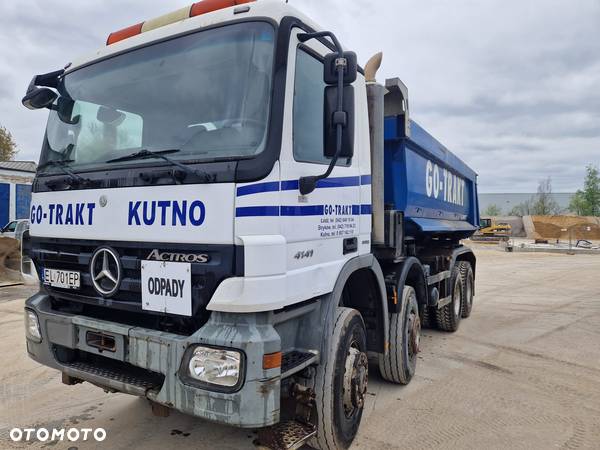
399	363
448	317
338	409
468	288
428	318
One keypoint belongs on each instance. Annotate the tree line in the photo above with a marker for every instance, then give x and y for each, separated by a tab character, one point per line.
8	147
585	202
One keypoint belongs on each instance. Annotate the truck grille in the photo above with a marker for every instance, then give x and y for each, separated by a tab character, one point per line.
77	254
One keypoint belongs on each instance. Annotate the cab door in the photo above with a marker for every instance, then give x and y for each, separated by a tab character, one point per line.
322	228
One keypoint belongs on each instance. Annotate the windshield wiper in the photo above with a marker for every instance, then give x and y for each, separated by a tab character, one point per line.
62	165
148	154
143	154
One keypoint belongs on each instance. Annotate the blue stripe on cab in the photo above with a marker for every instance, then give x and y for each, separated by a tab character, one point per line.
292	185
254	211
272	186
338	182
289	185
309	210
293	211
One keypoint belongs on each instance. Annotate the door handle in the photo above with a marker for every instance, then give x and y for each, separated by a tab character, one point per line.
350	245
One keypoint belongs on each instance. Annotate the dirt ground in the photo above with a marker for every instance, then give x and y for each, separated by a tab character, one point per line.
522	373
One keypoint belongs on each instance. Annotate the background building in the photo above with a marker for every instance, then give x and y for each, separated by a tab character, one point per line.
506	202
15	189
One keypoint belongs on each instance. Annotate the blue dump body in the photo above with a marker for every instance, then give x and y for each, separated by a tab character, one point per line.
436	190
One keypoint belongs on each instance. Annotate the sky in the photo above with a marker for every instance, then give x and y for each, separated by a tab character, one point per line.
512	87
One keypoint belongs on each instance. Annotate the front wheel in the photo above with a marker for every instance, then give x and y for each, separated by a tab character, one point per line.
341	383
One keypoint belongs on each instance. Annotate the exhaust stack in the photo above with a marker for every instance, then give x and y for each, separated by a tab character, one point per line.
375	95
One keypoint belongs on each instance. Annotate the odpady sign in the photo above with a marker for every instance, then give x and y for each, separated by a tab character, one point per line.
170	287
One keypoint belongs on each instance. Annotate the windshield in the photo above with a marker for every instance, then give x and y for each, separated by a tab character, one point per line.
206	94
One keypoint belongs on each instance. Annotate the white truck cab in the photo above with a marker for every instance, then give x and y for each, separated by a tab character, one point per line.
202	223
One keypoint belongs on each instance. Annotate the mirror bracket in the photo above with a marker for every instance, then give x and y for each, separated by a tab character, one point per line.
307	184
340	118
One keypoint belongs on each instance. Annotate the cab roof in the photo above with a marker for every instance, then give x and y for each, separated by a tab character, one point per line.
274	10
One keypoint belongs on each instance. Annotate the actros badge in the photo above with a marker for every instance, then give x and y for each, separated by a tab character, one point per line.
156	255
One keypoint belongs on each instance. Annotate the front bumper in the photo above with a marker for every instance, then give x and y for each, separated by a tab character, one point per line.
156	358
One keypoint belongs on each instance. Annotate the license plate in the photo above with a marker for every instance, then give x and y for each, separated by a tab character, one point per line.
167	287
66	279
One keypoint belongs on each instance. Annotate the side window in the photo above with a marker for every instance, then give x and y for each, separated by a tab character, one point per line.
308	109
11	226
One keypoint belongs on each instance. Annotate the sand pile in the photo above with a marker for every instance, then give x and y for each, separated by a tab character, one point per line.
10	261
561	227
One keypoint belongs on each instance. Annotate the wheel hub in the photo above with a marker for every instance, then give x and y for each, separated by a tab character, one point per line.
414	330
456	299
356	377
469	293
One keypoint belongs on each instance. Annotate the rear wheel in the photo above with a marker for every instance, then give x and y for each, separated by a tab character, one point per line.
468	285
448	316
399	363
341	383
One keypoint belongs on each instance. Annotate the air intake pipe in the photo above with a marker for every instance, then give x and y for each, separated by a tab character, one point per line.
375	95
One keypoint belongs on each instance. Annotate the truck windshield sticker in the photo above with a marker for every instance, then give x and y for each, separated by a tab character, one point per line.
444	185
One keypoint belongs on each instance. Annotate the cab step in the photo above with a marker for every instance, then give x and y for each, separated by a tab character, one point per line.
295	360
288	435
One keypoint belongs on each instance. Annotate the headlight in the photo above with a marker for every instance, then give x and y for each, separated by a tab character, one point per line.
215	366
32	326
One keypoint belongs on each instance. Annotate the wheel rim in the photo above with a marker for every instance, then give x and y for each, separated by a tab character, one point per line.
456	298
356	377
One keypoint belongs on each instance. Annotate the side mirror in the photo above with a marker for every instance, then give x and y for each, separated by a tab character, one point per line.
38	98
331	118
340	71
330	75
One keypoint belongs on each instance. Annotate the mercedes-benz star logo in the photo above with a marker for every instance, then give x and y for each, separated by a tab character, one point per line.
105	269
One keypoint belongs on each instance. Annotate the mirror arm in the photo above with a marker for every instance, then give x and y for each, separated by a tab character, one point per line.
307	36
309	183
49	79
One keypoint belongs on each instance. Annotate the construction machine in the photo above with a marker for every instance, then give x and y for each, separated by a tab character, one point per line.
492	231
